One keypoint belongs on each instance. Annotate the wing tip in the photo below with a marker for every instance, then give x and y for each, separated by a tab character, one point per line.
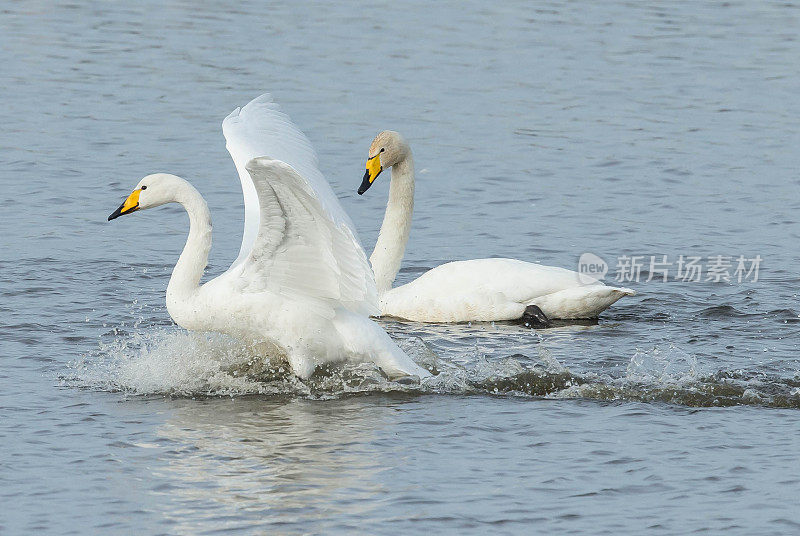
267	162
231	116
259	162
263	99
625	291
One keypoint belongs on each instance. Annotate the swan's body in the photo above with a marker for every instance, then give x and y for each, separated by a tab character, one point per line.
496	289
301	282
474	290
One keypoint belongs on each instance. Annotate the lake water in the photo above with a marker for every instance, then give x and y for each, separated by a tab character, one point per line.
541	133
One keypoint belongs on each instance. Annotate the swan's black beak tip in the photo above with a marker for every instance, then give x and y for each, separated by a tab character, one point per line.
365	184
127	207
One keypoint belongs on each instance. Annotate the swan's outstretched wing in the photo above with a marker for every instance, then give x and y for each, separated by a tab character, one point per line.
300	251
261	129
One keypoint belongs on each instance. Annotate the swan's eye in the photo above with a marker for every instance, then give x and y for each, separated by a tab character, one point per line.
144	187
382	149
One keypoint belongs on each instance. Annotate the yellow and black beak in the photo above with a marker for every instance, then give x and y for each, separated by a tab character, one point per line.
130	205
374	169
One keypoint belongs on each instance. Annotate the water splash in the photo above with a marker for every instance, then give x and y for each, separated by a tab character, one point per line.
658	366
184	364
673	376
165	361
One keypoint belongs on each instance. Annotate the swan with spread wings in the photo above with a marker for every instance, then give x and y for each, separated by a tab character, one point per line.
301	281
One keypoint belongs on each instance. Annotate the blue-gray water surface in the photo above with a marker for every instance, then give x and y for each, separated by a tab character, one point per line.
541	131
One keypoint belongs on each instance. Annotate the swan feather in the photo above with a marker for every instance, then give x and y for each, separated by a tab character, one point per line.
299	251
261	129
498	289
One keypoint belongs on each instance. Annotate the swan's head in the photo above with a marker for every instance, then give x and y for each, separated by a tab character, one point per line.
152	191
387	149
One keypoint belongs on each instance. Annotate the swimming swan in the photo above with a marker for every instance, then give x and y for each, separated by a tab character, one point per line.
301	282
481	289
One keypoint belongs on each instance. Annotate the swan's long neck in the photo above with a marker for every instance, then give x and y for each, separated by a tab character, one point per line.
391	244
189	269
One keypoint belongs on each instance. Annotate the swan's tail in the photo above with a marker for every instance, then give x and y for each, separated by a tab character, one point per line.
367	341
580	302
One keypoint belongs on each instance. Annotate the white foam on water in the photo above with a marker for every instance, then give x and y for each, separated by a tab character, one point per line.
662	366
174	362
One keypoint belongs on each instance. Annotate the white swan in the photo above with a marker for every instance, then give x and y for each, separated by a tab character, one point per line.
301	281
481	289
